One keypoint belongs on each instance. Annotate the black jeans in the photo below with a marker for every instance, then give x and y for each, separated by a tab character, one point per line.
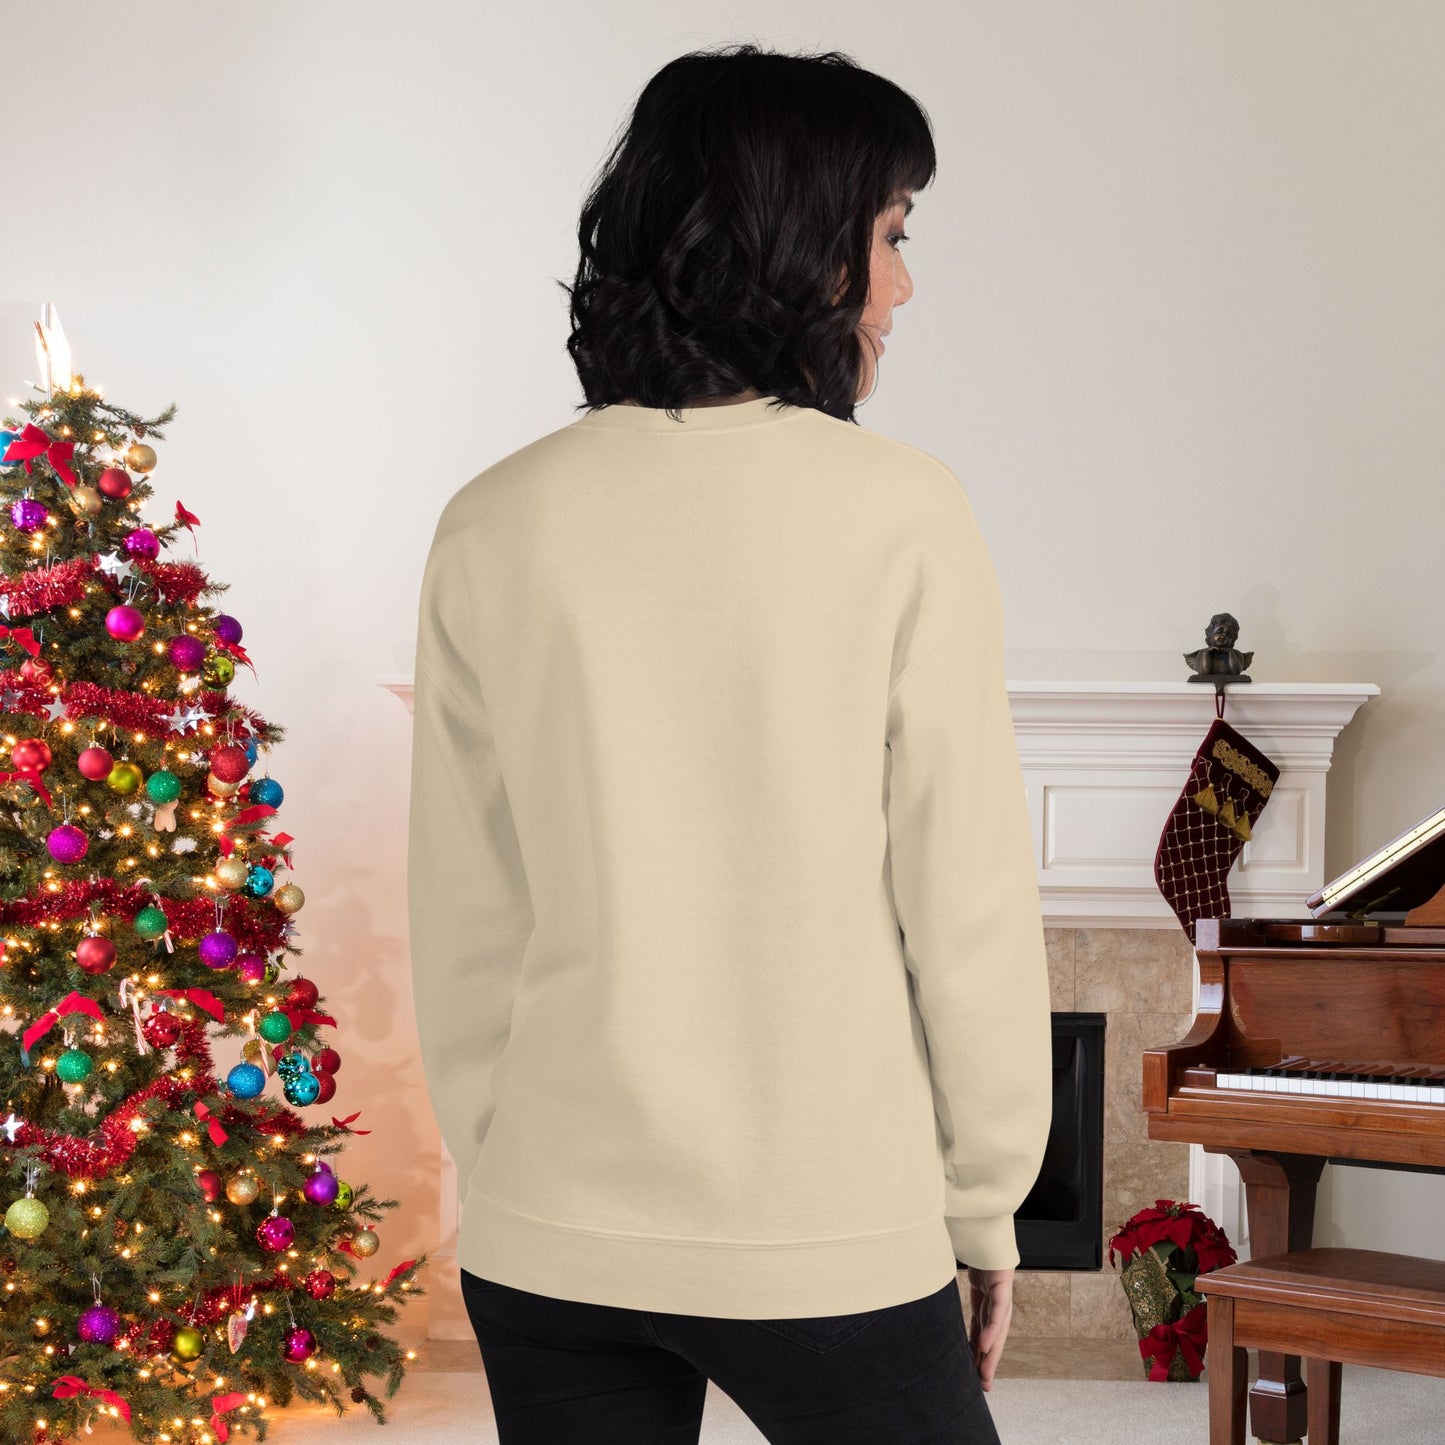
562	1372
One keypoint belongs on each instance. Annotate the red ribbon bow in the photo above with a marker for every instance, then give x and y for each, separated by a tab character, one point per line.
218	1134
202	998
31	776
74	1003
23	636
301	1016
34	442
1188	1334
65	1386
219	1405
405	1264
186	519
346	1123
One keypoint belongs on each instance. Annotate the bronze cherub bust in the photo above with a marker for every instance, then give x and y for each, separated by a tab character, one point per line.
1219	659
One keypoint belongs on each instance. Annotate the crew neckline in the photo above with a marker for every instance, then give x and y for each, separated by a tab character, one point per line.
758	411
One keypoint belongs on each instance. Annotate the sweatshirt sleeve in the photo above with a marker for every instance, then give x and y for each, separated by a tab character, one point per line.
469	909
966	897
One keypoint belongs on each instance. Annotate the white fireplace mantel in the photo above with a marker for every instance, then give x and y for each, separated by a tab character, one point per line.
1104	763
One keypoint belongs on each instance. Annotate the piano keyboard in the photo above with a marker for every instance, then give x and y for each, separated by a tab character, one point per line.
1342	1079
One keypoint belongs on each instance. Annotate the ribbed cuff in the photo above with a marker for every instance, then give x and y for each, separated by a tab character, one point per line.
984	1243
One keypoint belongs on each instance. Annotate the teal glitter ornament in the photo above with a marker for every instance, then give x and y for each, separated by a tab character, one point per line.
27	1218
275	1028
303	1089
267	791
74	1066
259	882
290	1065
163	787
245	1081
150	922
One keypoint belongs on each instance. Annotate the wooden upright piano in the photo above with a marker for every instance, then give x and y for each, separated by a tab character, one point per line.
1315	1042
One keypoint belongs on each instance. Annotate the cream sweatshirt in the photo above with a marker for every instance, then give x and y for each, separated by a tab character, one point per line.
727	952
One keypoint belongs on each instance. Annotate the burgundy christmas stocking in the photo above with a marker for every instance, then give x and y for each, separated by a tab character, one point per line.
1229	784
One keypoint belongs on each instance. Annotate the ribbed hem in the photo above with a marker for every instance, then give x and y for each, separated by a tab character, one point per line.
760	411
985	1243
692	1277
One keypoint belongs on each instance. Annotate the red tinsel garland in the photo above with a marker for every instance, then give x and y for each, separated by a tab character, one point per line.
254	930
45	588
93	1157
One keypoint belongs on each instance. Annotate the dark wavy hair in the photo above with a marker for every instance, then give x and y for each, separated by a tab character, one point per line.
717	236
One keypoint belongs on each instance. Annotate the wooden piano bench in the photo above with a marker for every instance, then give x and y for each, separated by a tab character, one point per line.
1325	1306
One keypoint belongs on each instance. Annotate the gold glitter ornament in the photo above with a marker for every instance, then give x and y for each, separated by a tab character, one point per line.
27	1218
139	457
231	873
242	1188
86	501
221	790
289	898
251	1051
365	1243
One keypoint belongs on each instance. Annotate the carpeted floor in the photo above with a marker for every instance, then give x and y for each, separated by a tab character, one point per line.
453	1408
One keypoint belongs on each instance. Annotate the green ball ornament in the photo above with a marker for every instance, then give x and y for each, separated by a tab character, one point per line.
163	787
74	1066
270	973
188	1343
275	1028
342	1202
231	873
150	922
27	1218
218	669
125	777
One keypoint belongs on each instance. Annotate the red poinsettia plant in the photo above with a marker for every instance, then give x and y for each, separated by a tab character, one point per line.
1164	1250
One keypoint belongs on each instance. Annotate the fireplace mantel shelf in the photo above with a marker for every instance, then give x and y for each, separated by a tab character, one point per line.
1104	762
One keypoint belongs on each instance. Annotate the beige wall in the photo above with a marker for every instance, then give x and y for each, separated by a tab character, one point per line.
1178	324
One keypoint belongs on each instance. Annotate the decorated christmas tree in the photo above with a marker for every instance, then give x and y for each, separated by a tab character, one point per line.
177	1252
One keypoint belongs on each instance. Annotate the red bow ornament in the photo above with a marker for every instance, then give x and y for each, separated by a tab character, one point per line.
34	442
74	1003
67	1385
23	636
218	1134
219	1405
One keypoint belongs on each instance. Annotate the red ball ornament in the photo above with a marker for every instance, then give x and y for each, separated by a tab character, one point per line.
37	670
327	1092
210	1185
320	1284
303	994
161	1030
95	763
325	1061
31	753
230	763
95	953
114	483
298	1346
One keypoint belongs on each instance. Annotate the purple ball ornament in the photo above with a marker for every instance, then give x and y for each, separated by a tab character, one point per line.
142	542
186	653
226	628
251	967
298	1346
322	1187
125	623
29	514
275	1233
98	1325
218	949
67	843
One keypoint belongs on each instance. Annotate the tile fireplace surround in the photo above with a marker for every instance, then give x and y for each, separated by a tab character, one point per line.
1103	764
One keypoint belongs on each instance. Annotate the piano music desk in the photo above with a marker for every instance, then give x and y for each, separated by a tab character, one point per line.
1328	1306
